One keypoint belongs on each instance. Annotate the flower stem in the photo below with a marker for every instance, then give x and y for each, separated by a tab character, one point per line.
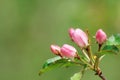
99	47
88	49
89	53
83	51
97	60
84	61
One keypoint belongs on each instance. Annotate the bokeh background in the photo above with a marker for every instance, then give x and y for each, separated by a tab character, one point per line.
28	27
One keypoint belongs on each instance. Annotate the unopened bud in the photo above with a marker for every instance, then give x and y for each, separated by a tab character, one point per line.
79	37
101	36
68	51
55	49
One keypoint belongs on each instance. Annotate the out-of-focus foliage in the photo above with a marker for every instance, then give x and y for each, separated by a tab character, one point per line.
28	27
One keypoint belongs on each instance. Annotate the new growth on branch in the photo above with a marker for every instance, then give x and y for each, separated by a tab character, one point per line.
68	55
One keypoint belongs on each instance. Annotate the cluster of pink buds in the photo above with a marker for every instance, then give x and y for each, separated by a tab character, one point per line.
81	39
65	51
68	55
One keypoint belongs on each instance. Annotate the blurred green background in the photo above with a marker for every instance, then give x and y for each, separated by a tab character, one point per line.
28	27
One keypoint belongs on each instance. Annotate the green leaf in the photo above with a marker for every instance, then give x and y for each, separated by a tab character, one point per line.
51	61
114	40
50	64
55	63
77	76
111	48
108	49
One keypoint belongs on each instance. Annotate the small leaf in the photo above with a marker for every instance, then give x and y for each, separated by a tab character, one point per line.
77	76
111	48
114	40
50	64
57	62
108	49
51	61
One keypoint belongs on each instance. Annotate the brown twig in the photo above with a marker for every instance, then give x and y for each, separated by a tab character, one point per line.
99	73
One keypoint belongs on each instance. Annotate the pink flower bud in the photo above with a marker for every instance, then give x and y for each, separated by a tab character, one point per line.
68	51
79	37
55	49
101	36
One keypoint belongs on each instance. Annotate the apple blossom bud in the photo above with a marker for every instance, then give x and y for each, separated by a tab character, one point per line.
68	51
101	36
55	49
79	37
